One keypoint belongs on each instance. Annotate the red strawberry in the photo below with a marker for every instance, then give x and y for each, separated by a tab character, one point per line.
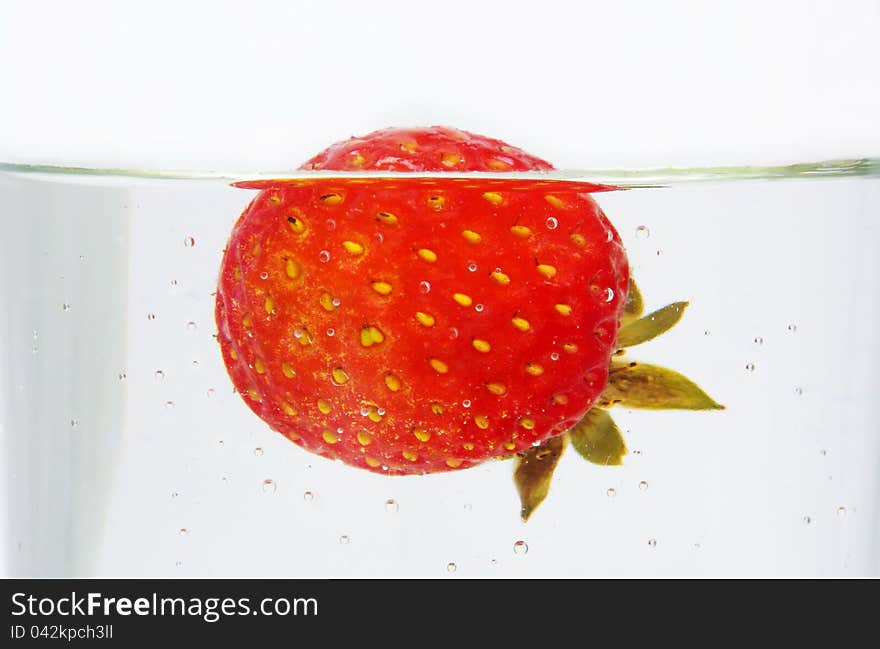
414	326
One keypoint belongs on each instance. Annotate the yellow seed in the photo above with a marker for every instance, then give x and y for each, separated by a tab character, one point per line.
482	421
425	318
237	273
510	446
269	305
496	388
527	423
364	438
370	336
578	239
569	348
382	288
563	309
291	268
409	147
437	409
339	376
306	338
373	462
421	434
287	370
554	201
521	231
453	462
471	237
330	437
534	369
275	198
392	382
521	323
331	199
498	165
374	416
292	435
468	446
233	354
547	270
439	366
481	345
450	159
560	399
259	366
253	394
501	278
357	159
247	321
353	248
493	197
463	299
409	455
324	406
296	221
288	409
327	301
437	202
387	218
255	251
428	255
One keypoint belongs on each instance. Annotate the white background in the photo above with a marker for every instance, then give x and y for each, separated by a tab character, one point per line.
264	84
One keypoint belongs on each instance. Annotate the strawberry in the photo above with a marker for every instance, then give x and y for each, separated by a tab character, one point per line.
417	325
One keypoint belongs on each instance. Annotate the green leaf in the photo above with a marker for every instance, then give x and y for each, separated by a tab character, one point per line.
639	385
597	438
651	326
533	472
634	305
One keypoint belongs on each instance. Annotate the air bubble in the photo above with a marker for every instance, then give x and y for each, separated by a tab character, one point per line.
308	496
792	328
823	452
211	392
468	507
520	547
643	485
551	223
189	242
611	492
173	282
451	567
269	486
74	423
258	452
151	316
183	531
191	325
799	391
652	543
344	539
65	307
122	376
391	505
807	520
642	232
324	256
175	494
841	512
758	340
707	332
424	287
169	405
472	266
178	564
750	367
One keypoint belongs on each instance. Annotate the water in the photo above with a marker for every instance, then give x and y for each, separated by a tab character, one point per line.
126	452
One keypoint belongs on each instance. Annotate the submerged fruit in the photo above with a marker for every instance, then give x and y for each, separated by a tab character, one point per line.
414	325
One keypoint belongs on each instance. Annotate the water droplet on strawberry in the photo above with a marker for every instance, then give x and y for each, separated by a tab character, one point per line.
380	412
424	287
264	275
608	294
324	256
520	547
331	332
472	266
335	302
453	333
466	403
554	356
551	223
330	224
479	308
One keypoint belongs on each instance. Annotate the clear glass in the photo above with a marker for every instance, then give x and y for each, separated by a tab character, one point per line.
126	452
